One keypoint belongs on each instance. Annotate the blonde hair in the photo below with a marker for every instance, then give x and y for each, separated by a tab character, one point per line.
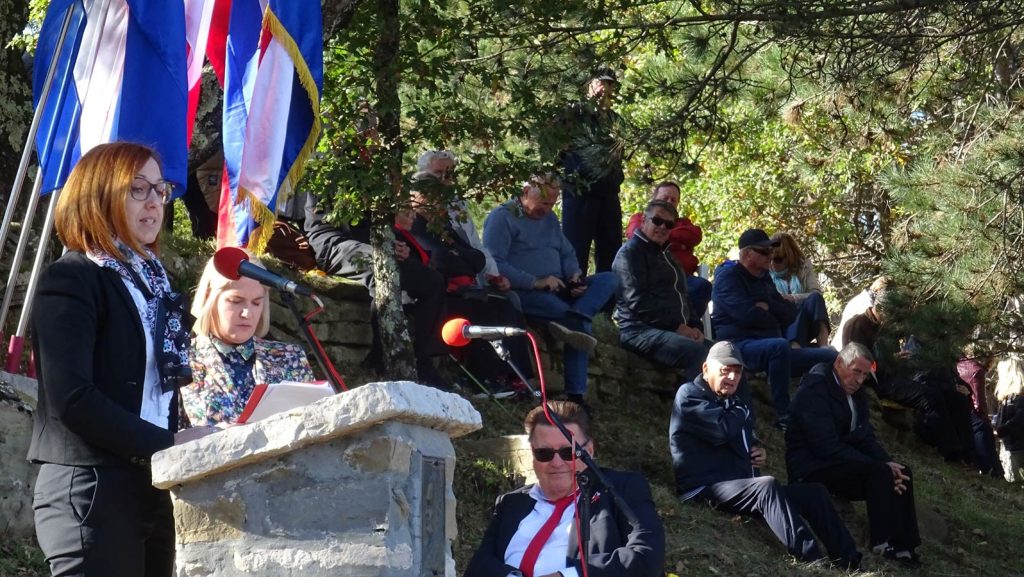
211	285
1010	378
789	251
91	211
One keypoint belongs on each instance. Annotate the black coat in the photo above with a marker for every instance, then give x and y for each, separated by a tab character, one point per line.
652	287
615	548
1009	423
819	434
735	294
450	254
710	437
91	354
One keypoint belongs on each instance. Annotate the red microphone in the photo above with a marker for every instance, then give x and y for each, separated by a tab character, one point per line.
232	262
458	332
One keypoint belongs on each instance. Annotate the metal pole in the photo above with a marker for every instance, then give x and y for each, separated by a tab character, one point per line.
37	266
33	129
19	251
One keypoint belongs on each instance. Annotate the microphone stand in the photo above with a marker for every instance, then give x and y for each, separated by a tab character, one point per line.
504	354
318	351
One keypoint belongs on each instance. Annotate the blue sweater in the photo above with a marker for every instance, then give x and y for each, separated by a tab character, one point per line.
736	315
525	248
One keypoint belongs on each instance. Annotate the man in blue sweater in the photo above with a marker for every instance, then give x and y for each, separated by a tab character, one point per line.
751	313
527	242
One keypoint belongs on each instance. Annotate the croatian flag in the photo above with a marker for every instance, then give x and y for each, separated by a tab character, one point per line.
273	79
120	76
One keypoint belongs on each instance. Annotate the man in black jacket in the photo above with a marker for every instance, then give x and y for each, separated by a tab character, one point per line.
717	460
830	441
533	531
652	310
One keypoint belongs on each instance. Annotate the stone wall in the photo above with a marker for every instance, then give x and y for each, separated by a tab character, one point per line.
17	476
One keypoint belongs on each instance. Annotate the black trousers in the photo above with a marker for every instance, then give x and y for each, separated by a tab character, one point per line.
593	216
943	415
892	518
486	309
785	508
103	522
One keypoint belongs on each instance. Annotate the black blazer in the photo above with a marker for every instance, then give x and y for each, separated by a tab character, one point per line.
615	548
91	355
819	434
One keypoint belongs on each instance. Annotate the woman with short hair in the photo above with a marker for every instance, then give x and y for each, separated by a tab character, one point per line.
229	355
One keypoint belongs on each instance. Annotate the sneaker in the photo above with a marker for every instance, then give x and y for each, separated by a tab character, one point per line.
575	339
497	389
907	559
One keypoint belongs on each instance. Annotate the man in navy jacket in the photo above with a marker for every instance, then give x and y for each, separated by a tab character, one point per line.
751	313
716	458
830	441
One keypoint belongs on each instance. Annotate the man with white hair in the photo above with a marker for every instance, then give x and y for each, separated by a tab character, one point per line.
528	245
441	164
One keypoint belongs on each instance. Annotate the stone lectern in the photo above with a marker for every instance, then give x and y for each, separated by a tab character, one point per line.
355	484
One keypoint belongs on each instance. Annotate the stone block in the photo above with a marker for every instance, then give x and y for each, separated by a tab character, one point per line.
17	475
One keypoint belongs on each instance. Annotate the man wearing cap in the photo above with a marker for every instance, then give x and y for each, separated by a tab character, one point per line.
534	530
592	163
653	309
717	459
750	312
830	440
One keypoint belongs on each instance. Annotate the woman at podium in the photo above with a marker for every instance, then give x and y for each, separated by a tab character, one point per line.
229	355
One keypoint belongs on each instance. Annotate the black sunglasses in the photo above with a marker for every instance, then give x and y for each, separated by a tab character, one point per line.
664	223
762	251
545	455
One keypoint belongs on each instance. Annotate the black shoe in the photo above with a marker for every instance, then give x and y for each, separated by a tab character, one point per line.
848	563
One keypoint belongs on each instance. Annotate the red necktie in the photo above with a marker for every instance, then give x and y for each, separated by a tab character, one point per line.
541	538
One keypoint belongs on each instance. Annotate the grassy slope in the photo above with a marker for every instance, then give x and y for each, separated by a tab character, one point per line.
982	515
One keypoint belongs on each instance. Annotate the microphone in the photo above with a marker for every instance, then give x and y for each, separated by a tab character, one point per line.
233	263
458	332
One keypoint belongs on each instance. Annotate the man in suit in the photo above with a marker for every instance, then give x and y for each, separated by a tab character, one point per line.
533	529
717	460
830	441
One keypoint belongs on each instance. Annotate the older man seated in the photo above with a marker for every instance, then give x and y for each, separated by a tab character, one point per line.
830	441
750	312
527	242
653	310
533	530
717	457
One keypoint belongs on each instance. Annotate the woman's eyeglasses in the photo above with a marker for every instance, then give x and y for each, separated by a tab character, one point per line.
142	188
545	455
777	260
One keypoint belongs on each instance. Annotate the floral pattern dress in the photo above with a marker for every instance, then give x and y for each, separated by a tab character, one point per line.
224	375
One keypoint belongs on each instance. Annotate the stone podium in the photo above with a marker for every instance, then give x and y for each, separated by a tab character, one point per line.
356	484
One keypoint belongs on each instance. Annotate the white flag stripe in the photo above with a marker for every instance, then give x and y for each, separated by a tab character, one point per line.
267	129
99	70
198	14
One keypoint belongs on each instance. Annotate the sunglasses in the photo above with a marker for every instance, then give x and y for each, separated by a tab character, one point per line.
762	251
664	223
777	259
545	455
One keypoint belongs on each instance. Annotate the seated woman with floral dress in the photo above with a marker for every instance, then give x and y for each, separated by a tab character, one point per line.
797	282
229	355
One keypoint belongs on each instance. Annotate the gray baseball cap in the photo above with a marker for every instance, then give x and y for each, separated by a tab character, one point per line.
726	353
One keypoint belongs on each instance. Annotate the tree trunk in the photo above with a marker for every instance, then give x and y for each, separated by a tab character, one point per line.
394	332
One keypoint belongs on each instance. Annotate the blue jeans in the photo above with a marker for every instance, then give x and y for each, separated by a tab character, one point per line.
666	347
781	362
575	314
811	311
699	292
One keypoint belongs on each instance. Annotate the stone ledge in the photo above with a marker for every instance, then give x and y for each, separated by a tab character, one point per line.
336	416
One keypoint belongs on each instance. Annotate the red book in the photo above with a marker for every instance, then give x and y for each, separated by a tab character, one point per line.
267	400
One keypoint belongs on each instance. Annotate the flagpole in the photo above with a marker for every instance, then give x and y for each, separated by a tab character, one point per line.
17	343
33	129
19	251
